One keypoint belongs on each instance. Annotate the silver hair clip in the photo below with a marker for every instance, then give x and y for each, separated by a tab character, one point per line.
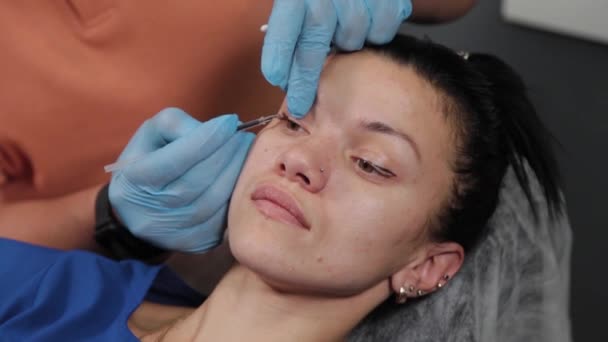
463	54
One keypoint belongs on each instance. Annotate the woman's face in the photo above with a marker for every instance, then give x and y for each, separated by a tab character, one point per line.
339	201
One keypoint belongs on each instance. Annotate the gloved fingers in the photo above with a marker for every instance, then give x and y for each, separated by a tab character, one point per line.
121	194
387	17
171	161
207	235
167	125
218	193
194	239
196	180
354	21
284	27
312	49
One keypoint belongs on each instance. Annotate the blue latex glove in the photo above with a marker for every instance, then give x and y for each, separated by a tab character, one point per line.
176	196
300	33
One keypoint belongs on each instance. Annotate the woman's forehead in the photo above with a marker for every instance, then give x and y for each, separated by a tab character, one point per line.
372	86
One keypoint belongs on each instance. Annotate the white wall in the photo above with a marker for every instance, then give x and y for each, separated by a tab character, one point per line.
586	19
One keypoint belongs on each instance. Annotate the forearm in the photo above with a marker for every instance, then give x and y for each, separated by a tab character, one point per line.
436	11
66	222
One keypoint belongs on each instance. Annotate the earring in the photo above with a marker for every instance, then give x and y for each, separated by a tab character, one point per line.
401	296
443	282
420	293
403	293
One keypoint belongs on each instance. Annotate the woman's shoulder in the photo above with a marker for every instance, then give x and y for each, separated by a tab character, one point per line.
23	260
55	294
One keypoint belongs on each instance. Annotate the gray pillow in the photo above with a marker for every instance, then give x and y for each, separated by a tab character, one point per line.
514	286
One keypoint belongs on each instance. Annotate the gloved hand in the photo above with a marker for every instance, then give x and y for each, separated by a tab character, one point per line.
300	32
175	193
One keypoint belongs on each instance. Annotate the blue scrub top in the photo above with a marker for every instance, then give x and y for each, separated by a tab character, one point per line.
52	295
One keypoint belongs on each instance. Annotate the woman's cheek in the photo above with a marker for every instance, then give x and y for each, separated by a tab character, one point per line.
262	155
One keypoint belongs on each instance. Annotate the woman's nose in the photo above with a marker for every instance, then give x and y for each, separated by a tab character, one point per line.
304	166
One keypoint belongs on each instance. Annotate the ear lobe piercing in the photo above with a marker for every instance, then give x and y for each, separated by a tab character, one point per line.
401	296
409	291
404	292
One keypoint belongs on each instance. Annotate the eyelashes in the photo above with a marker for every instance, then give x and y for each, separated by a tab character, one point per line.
289	124
371	168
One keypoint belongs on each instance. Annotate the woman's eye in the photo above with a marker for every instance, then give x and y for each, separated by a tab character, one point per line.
371	168
290	124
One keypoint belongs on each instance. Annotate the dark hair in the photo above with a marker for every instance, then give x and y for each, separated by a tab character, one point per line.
496	127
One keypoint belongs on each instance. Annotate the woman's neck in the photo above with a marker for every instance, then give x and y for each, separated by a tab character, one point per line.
243	307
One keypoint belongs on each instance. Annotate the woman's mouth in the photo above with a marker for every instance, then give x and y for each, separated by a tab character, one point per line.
278	205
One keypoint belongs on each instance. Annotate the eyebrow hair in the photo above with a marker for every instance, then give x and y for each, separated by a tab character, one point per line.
381	127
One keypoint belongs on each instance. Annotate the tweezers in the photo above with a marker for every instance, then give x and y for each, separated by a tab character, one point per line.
257	122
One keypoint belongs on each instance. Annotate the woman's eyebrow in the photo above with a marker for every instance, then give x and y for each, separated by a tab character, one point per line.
381	127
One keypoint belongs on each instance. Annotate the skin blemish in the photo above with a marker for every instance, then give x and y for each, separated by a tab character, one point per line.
320	259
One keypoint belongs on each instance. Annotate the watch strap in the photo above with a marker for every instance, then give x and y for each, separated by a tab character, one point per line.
115	237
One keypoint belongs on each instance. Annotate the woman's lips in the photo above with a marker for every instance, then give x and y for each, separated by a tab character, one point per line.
278	205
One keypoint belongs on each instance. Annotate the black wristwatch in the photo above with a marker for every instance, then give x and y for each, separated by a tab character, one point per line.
116	238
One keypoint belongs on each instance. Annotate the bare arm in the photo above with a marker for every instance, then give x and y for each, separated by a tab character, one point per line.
437	11
65	222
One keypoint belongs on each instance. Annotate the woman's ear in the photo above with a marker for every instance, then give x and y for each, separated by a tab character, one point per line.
431	271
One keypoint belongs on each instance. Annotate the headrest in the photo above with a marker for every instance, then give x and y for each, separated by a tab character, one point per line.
513	286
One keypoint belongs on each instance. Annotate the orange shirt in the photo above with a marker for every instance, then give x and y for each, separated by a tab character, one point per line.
77	77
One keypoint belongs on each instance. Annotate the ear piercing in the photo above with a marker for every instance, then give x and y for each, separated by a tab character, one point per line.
322	170
444	281
408	291
403	294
